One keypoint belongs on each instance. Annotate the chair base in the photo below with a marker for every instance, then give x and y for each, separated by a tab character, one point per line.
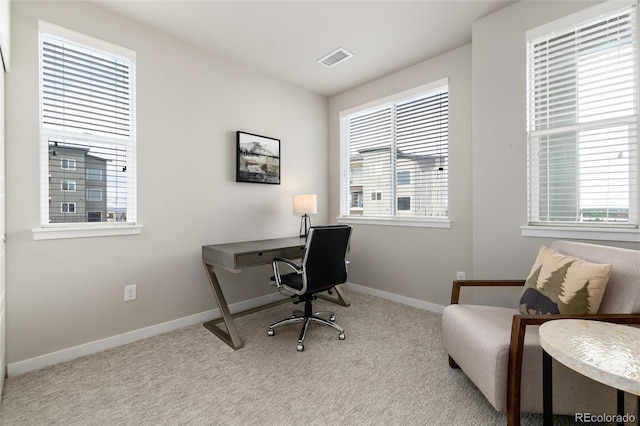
307	318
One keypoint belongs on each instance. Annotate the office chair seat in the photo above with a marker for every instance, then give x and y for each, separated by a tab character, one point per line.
295	281
292	280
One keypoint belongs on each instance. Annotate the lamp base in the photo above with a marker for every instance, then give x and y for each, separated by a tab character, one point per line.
305	224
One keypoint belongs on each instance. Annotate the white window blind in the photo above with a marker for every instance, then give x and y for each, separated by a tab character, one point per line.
583	120
87	100
395	157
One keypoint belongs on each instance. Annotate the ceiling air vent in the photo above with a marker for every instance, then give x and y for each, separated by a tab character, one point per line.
335	57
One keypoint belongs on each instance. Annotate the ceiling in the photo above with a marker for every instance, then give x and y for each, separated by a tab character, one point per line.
285	38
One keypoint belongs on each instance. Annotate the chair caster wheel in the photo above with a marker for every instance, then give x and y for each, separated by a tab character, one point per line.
271	332
300	347
341	336
332	318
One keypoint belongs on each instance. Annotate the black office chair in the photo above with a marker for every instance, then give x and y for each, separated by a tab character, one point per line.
323	267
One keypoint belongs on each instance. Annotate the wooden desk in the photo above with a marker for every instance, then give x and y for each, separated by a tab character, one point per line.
234	257
602	351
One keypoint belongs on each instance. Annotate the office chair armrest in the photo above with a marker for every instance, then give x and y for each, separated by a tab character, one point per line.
276	269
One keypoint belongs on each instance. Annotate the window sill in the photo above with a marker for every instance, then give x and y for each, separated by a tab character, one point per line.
83	231
597	234
396	221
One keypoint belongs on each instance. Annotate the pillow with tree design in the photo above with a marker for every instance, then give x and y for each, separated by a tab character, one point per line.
561	284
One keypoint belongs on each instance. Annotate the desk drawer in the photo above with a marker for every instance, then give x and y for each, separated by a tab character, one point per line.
258	258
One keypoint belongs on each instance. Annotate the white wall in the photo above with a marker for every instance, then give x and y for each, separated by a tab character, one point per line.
5	33
488	173
417	263
4	48
63	293
499	139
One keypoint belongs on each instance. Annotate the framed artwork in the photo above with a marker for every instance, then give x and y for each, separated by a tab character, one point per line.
257	159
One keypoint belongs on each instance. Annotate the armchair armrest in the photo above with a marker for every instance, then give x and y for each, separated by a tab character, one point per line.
457	284
276	269
518	329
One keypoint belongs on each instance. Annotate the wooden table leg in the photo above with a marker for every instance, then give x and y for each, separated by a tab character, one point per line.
620	406
547	390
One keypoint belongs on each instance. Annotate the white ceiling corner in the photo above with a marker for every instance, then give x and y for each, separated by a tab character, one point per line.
383	36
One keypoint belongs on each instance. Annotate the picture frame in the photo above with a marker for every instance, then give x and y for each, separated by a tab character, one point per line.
257	159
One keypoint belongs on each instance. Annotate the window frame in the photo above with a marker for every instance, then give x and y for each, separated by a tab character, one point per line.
48	230
345	169
606	231
70	184
68	162
69	210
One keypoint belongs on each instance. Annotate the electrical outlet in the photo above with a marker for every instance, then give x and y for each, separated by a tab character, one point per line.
460	275
129	292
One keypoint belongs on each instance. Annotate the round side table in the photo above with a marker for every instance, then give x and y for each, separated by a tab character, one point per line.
606	352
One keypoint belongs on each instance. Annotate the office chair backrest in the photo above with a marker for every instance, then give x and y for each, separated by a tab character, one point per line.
324	260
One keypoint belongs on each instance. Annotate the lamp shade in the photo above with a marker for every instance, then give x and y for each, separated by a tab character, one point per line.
305	204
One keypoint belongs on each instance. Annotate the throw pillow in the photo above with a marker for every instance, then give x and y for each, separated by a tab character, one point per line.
561	284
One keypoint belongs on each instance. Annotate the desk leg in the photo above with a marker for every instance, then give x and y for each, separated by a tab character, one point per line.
547	390
231	336
340	299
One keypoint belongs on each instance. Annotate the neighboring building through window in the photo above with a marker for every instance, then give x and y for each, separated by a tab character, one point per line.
397	152
583	119
87	125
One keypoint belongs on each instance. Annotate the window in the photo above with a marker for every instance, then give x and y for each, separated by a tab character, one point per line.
404	177
583	120
404	203
68	207
94	195
87	126
94	174
67	164
396	150
356	199
68	185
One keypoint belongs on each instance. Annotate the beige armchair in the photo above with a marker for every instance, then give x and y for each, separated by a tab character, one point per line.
498	348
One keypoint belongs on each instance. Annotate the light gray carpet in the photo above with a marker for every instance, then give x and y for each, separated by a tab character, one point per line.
390	370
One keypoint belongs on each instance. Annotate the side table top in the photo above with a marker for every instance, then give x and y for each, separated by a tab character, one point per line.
606	352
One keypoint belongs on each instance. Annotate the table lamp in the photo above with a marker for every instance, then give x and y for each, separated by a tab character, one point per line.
305	204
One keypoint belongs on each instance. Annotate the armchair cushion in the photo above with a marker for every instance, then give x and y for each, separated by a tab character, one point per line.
562	284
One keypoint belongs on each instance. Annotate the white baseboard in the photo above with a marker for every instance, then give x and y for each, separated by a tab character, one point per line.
416	303
46	360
